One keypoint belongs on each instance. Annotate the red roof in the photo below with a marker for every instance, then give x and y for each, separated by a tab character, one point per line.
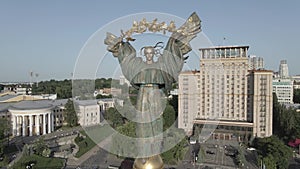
294	143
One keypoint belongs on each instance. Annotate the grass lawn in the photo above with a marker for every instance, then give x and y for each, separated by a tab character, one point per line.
99	133
94	134
41	162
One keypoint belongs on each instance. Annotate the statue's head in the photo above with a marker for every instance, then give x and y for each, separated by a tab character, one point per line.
150	51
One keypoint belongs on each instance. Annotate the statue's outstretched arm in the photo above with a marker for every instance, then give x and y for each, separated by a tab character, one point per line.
178	45
113	43
183	35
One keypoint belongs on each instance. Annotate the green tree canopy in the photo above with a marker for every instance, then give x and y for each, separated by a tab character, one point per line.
174	103
296	97
39	146
70	114
169	117
61	88
286	121
273	152
99	96
114	117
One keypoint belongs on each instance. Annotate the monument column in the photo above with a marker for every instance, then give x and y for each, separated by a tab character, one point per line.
23	126
44	123
18	125
49	122
37	124
14	125
30	125
52	121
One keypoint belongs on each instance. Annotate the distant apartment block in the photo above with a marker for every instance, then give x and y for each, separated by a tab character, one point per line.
283	84
296	80
283	69
284	90
224	91
255	62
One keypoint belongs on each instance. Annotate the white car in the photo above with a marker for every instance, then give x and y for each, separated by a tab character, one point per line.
251	149
193	141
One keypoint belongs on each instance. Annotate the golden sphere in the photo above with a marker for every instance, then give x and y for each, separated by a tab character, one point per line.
154	162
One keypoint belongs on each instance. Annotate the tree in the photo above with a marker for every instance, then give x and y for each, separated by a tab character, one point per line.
61	88
4	128
286	121
174	103
39	146
103	83
169	117
296	97
273	152
70	114
4	133
114	117
100	96
176	153
129	129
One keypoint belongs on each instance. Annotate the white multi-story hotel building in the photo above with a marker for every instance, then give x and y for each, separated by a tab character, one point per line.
260	102
219	94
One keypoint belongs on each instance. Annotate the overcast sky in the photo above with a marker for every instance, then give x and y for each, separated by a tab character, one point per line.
46	36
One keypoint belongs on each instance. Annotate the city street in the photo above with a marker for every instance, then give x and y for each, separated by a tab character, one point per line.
217	154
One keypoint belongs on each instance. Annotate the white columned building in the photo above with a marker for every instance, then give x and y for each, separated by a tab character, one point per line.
31	118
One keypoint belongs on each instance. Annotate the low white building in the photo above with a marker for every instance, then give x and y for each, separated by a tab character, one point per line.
284	90
296	85
88	112
109	102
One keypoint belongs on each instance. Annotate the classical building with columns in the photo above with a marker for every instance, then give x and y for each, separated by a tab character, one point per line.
39	117
35	120
35	117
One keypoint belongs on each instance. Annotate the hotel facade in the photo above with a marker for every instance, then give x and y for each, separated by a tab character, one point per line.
226	95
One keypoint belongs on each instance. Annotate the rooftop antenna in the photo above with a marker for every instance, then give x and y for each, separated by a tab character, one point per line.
223	42
31	75
36	76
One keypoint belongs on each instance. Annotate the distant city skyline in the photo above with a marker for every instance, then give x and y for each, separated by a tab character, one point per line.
46	37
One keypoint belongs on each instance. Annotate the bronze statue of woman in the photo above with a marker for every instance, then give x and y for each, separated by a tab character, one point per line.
150	77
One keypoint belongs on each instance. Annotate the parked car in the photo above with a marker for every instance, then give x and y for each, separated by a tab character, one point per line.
251	149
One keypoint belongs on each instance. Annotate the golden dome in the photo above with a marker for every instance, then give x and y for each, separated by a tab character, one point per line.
154	162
